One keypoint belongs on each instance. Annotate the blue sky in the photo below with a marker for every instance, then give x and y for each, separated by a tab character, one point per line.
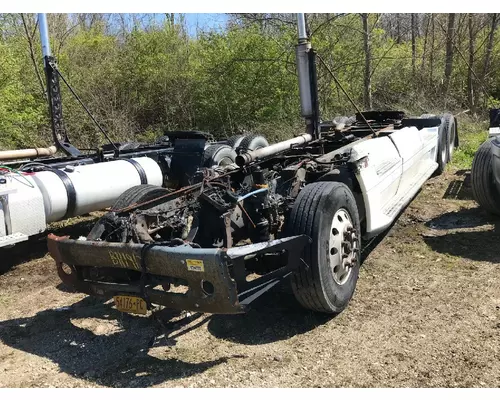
196	21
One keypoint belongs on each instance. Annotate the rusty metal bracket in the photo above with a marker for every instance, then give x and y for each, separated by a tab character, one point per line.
249	291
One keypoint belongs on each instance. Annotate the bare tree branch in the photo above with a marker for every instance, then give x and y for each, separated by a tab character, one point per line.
323	24
382	58
29	38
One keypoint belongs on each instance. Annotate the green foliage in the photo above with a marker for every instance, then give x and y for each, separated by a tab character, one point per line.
472	134
143	78
19	112
243	81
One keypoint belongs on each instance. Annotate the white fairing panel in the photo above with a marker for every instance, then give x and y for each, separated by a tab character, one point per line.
416	150
379	176
430	142
409	144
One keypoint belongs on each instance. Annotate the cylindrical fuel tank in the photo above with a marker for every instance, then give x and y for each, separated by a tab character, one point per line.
79	190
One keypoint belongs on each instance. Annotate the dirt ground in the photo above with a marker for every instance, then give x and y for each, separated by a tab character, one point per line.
426	312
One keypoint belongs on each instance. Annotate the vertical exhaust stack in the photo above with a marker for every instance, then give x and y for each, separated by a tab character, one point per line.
44	35
54	93
306	68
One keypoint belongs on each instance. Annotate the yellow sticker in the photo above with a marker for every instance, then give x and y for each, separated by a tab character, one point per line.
195	265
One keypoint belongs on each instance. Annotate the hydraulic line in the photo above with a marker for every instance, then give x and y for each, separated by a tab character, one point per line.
246	196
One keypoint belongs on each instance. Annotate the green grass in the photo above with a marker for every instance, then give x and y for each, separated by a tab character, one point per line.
471	135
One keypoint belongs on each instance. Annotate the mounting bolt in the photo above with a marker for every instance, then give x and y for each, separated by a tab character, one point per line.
347	246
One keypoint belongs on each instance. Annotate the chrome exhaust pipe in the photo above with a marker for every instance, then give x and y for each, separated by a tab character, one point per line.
259	154
44	35
304	73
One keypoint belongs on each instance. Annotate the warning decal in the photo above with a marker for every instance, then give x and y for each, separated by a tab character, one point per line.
195	265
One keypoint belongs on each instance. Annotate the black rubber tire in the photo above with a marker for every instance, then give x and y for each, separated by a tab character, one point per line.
442	148
312	214
451	134
234	141
135	194
253	142
216	153
484	189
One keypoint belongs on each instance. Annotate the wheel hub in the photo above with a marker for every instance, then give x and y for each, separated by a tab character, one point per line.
343	246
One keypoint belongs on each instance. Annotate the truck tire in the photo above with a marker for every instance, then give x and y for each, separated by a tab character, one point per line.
451	133
253	142
234	141
442	148
135	194
218	155
484	189
327	213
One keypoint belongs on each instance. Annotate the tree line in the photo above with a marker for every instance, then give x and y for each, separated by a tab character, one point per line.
143	74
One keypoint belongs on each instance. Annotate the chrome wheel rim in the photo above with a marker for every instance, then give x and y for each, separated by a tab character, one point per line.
343	246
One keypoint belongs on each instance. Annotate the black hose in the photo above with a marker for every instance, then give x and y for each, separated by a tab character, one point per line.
34	164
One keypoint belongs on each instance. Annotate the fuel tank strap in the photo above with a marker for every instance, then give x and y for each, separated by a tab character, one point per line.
140	170
70	192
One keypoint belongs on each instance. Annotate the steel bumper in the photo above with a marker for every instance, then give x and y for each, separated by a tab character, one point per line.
222	268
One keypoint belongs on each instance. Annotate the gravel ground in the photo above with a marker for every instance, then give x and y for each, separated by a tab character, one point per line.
426	312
